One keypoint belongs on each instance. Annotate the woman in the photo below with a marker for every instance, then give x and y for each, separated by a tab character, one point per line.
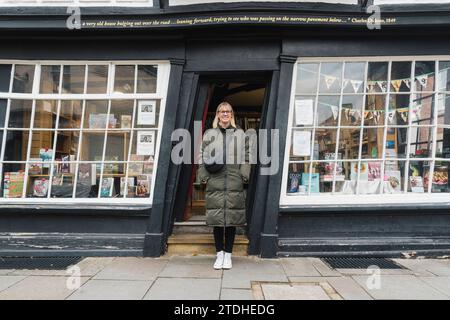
224	168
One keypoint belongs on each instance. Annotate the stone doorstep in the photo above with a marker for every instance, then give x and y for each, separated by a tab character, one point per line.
258	293
182	244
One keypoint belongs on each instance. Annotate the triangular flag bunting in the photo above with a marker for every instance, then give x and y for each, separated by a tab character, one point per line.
423	80
391	116
407	82
334	110
396	84
329	80
356	84
345	83
382	85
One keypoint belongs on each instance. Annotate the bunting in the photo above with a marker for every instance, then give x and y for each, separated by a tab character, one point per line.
329	80
396	84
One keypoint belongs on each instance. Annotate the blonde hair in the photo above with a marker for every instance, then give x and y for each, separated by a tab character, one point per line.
216	119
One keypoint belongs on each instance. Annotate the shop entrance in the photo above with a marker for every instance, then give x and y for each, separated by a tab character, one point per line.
248	95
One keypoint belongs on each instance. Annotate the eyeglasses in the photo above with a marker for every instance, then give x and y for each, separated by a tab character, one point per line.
226	111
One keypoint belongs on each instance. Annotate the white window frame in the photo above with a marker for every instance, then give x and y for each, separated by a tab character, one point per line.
163	73
336	200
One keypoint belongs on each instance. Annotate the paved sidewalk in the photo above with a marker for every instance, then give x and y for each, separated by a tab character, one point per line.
252	278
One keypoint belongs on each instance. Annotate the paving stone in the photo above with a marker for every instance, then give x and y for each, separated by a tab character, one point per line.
5	272
40	288
427	267
146	269
8	281
91	266
295	292
299	267
400	287
177	270
184	289
236	294
197	259
395	272
308	279
440	283
348	289
323	269
112	290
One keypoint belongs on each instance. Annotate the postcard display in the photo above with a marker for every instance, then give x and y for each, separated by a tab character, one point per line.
369	128
80	148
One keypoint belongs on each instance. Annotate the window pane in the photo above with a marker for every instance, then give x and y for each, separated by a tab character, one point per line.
117	145
92	145
327	111
38	186
377	77
87	181
50	76
346	182
374	112
416	174
20	113
354	77
372	145
124	79
70	114
73	79
394	177
351	111
13	180
330	78
422	109
143	144
303	111
113	174
146	81
298	179
67	146
42	146
307	78
396	142
443	143
143	185
440	182
3	107
147	114
349	141
45	114
444	109
5	77
420	140
122	111
401	76
398	111
63	179
95	115
322	177
97	79
326	140
16	145
23	78
444	76
424	75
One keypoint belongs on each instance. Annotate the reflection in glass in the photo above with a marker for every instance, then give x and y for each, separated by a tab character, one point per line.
42	145
440	182
394	177
372	145
87	181
63	179
50	76
45	114
5	76
424	75
96	113
23	78
117	145
401	76
377	77
420	140
443	143
113	176
307	78
346	182
444	109
326	140
416	176
351	110
3	106
354	77
70	114
444	76
92	145
330	77
349	143
398	110
327	111
67	145
422	109
20	113
73	79
396	142
374	111
97	79
16	145
122	110
124	79
13	180
146	81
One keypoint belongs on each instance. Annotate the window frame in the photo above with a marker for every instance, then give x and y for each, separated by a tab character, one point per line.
342	200
162	84
77	3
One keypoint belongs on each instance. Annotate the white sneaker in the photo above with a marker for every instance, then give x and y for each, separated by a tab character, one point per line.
227	261
219	261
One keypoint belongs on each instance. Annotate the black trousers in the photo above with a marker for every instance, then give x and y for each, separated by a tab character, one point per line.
229	233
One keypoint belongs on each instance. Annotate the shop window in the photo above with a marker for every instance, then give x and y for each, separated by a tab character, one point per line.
80	131
372	130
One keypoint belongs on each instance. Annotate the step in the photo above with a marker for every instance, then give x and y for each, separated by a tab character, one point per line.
182	244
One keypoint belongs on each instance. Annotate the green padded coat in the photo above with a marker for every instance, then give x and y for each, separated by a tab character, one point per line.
225	197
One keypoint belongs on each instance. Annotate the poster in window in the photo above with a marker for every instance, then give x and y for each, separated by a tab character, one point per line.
302	143
145	143
146	112
304	112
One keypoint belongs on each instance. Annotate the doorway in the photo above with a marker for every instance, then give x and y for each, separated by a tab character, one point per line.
248	96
